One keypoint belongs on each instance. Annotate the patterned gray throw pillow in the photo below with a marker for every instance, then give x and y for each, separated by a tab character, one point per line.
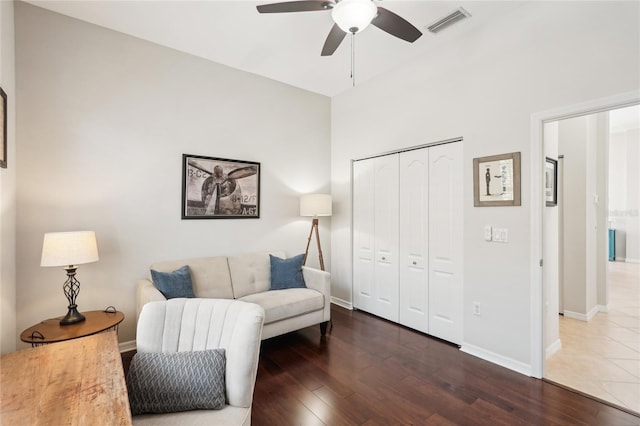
177	381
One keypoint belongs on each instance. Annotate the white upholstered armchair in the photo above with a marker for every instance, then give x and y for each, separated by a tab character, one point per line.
189	325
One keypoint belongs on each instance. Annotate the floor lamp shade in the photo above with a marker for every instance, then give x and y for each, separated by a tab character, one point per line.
70	249
315	205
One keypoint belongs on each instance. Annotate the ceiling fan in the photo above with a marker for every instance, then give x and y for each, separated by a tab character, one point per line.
350	16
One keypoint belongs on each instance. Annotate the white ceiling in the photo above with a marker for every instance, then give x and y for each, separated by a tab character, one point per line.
284	47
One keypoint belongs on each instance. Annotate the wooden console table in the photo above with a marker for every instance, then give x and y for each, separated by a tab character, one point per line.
50	331
77	382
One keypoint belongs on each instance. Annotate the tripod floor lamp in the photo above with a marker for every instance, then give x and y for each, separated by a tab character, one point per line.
315	205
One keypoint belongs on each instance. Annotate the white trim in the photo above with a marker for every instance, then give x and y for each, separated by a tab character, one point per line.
495	358
537	163
553	348
342	303
127	346
629	260
588	316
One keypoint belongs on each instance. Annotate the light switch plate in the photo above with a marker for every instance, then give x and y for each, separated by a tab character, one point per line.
488	233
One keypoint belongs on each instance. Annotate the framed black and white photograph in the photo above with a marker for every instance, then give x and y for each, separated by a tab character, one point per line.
3	130
219	188
496	180
551	182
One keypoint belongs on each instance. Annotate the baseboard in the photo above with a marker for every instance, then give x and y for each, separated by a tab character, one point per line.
127	346
342	303
552	349
511	364
603	308
627	260
582	317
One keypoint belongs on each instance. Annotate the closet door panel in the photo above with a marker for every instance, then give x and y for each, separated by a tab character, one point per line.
363	235
414	239
386	220
445	242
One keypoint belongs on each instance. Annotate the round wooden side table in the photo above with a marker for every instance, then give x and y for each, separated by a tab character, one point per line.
50	330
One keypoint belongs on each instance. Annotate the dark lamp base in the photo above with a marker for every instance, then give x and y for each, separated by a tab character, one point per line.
72	317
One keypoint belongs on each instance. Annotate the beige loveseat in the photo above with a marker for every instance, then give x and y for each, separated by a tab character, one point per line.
247	277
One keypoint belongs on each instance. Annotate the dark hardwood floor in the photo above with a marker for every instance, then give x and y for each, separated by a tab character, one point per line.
368	371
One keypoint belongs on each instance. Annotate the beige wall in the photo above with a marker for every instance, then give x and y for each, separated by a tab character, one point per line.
8	186
103	121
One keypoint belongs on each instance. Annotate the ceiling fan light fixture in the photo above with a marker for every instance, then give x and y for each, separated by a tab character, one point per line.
353	16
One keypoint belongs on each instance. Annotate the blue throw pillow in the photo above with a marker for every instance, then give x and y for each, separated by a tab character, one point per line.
174	284
286	273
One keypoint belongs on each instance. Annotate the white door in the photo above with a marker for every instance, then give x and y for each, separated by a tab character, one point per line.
414	239
386	219
445	242
363	235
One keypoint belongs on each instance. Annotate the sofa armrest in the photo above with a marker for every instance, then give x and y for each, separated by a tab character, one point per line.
145	293
320	281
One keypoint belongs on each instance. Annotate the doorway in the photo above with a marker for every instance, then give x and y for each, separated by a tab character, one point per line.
593	346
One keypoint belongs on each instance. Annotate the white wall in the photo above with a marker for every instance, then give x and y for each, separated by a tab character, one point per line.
601	135
572	135
103	120
540	56
624	189
8	186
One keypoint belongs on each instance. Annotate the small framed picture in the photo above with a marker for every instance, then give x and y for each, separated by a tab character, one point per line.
3	130
219	188
551	182
496	180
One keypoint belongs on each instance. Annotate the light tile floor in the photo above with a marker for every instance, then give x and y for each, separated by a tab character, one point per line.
602	357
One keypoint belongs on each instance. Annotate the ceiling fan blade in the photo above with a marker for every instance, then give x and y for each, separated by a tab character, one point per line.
395	25
335	37
296	6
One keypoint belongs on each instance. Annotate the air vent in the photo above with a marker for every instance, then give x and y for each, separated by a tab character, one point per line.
448	20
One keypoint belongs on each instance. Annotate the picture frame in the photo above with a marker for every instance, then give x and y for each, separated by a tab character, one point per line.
551	182
496	180
219	188
3	131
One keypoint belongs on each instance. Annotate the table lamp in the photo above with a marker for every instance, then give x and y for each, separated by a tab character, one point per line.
70	249
315	205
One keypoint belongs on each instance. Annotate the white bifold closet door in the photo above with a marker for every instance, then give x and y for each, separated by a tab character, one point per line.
375	216
445	242
414	239
407	236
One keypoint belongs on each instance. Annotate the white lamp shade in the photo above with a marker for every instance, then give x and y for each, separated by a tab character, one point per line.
353	16
315	205
69	248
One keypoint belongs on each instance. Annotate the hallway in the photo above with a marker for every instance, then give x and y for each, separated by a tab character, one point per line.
602	357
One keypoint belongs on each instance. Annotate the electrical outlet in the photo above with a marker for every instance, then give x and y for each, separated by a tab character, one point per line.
476	308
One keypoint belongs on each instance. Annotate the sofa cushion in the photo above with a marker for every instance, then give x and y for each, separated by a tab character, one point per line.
210	275
173	284
283	304
286	273
165	382
251	273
